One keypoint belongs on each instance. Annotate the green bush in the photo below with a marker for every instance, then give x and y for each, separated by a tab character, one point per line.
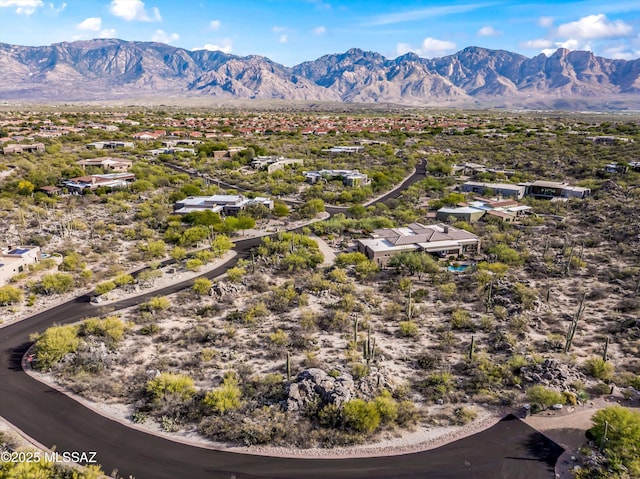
104	288
202	286
171	384
111	328
10	295
544	397
361	416
621	445
227	397
408	329
599	369
387	407
54	344
57	283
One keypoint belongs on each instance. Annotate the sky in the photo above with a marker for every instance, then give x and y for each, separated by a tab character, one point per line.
292	31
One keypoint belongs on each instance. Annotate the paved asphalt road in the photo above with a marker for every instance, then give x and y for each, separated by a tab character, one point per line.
509	450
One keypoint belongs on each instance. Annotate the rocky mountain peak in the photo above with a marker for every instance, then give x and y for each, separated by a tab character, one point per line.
110	68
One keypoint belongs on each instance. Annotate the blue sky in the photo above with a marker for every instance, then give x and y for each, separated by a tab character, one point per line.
293	31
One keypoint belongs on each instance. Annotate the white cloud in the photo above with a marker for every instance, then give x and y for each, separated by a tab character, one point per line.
131	10
23	7
570	44
431	47
278	29
108	33
489	31
214	25
537	43
283	39
164	37
421	14
545	21
594	26
57	9
620	52
93	24
435	47
319	30
225	45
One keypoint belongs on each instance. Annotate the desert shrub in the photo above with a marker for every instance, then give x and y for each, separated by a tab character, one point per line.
225	398
171	384
279	338
525	295
544	397
193	264
464	415
461	319
123	280
57	283
387	407
361	416
54	344
236	274
104	288
10	295
159	303
201	286
621	445
599	369
111	328
408	329
427	361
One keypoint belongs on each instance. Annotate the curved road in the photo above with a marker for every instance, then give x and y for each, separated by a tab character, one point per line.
509	450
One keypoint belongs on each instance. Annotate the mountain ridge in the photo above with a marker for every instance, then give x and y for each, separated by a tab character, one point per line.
110	69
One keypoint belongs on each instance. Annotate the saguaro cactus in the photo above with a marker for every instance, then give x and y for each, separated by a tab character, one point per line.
369	347
574	324
288	365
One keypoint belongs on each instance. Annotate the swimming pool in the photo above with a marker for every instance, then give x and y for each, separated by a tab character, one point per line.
458	268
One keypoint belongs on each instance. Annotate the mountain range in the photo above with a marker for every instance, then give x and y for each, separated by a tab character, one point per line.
112	69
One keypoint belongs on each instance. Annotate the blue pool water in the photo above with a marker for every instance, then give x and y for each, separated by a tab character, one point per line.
459	268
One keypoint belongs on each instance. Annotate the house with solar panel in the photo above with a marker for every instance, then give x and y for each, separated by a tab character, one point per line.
15	260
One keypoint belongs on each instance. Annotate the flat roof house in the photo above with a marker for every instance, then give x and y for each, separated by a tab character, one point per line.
11	149
109	145
501	189
107	163
14	260
509	211
438	239
553	189
227	204
349	177
93	182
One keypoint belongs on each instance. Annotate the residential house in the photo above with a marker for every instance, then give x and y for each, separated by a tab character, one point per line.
509	211
439	239
107	163
93	182
273	163
501	189
16	260
349	177
553	189
26	148
109	145
341	150
229	205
